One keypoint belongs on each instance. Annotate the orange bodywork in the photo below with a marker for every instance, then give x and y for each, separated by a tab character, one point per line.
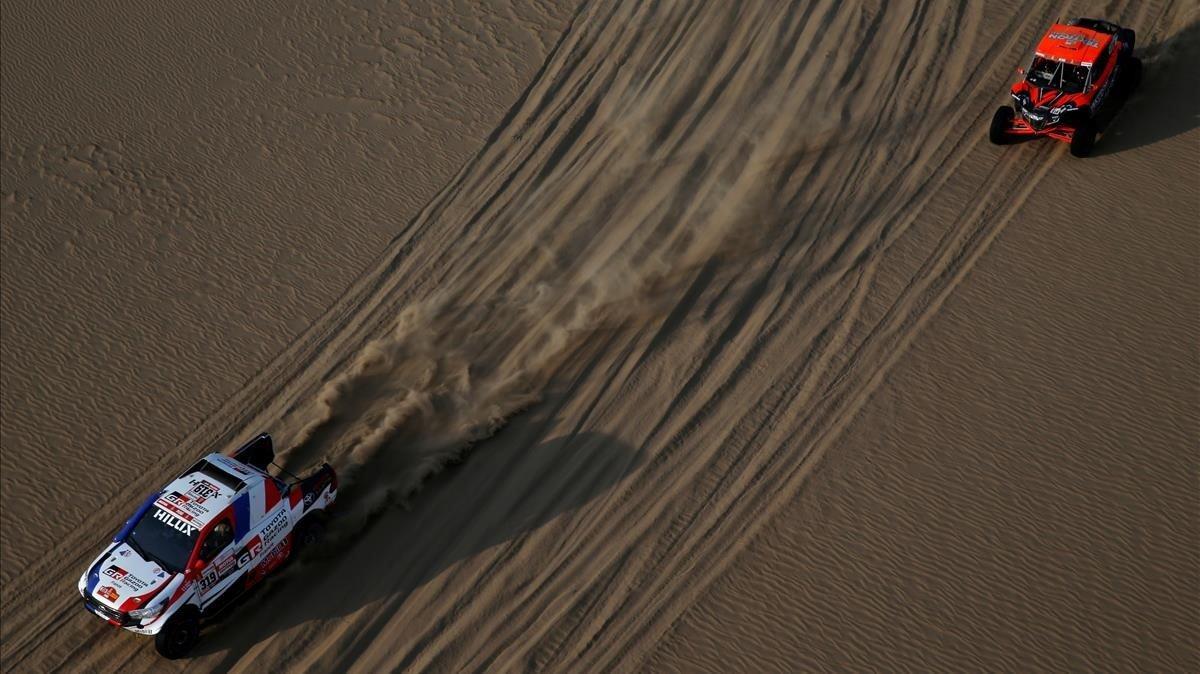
1076	46
1081	72
1058	132
1073	44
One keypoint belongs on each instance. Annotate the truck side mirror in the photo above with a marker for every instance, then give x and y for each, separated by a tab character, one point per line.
198	565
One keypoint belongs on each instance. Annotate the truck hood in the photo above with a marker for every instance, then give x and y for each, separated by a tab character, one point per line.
121	579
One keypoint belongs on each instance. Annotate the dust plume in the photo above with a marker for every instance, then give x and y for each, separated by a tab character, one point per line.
446	376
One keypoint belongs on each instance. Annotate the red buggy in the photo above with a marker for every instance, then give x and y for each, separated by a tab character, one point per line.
1080	75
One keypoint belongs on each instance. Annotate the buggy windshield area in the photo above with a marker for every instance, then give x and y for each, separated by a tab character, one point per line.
1047	74
164	538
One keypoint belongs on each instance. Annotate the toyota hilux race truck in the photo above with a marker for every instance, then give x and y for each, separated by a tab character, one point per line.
212	533
1081	73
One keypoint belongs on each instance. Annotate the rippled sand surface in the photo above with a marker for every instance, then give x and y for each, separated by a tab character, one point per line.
676	336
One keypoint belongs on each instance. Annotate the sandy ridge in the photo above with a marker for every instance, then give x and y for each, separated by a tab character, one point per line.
652	304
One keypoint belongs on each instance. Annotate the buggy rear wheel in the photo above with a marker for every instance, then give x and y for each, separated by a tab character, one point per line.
1127	36
1133	78
1084	138
1001	122
179	635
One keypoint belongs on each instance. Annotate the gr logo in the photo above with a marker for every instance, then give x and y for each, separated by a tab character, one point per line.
115	572
251	551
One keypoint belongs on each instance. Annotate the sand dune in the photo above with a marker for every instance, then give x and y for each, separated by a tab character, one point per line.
181	199
700	327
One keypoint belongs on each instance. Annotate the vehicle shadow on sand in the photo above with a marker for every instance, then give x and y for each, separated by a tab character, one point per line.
1167	103
512	484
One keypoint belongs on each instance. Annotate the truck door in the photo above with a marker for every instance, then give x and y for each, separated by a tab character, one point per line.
217	551
268	543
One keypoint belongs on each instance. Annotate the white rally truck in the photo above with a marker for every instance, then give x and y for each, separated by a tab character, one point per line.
204	539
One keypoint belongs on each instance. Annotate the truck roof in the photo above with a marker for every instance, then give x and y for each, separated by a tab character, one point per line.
1073	44
207	488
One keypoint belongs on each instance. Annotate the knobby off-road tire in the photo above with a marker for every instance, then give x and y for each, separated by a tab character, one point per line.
1127	36
1001	121
179	636
309	532
1084	138
1133	76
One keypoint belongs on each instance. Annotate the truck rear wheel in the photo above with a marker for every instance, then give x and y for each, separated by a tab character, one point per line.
179	635
309	531
1001	122
1084	138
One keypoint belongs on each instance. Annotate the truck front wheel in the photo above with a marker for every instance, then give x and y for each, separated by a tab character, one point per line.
179	635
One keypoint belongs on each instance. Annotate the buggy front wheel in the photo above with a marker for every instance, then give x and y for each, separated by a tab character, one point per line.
1001	122
1084	138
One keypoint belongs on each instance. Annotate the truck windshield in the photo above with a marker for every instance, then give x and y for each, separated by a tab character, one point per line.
1047	74
165	538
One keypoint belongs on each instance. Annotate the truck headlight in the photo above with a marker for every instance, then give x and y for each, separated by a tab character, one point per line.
148	612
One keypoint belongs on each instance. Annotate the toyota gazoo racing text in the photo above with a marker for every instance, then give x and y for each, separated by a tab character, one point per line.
212	533
1080	75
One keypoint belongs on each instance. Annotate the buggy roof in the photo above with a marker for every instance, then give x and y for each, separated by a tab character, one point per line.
1073	44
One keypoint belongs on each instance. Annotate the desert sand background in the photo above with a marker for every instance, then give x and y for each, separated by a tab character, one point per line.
678	336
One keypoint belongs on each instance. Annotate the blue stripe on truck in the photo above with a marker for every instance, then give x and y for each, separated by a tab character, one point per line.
241	517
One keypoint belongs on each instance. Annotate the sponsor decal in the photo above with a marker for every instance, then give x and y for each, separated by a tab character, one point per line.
166	505
177	499
108	592
276	527
1073	37
220	569
270	561
204	490
231	465
122	576
183	587
124	552
187	507
177	523
210	578
250	551
116	572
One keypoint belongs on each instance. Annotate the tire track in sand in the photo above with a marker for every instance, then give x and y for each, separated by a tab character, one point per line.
707	229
